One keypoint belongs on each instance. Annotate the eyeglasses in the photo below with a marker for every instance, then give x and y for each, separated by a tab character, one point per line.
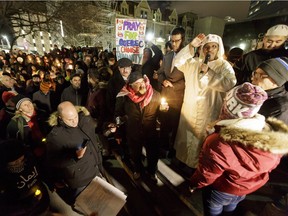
175	41
259	75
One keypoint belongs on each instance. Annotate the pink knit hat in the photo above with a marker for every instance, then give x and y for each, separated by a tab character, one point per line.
243	101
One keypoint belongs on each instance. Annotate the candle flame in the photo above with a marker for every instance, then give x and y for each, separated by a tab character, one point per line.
163	100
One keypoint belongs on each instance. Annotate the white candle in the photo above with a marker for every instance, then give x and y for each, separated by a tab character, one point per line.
164	105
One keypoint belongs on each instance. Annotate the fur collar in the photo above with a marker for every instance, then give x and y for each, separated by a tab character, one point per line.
53	119
273	138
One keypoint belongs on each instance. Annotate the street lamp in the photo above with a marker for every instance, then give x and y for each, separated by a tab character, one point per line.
61	28
149	36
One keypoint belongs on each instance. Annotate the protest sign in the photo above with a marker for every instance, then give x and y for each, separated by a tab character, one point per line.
130	39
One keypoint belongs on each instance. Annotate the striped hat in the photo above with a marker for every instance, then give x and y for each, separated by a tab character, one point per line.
276	69
19	99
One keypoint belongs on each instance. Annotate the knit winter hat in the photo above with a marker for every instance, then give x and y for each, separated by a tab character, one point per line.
124	62
7	95
277	69
243	101
134	76
19	99
45	86
278	30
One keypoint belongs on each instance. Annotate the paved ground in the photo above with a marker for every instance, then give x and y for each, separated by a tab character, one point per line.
170	196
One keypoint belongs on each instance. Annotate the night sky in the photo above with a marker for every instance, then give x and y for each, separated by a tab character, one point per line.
221	9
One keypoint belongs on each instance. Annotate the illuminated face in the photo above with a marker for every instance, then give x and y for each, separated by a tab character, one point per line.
139	86
273	42
111	61
260	78
125	71
36	79
212	48
70	117
7	81
27	108
76	82
176	41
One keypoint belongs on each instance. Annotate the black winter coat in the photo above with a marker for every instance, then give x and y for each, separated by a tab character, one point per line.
153	65
140	124
115	84
72	95
62	143
249	62
276	105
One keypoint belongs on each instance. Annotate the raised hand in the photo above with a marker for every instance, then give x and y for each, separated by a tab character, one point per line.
197	41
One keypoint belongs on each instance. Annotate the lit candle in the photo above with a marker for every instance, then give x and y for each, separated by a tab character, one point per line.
164	105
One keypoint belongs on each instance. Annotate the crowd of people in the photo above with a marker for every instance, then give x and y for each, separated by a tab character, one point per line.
222	117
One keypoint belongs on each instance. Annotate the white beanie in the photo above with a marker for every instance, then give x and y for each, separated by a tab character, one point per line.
278	30
213	38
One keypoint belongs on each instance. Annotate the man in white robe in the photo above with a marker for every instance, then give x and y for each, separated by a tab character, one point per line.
206	85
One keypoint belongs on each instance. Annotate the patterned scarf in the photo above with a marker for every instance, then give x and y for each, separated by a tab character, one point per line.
143	100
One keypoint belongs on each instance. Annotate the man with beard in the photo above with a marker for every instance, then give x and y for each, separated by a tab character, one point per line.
137	105
116	83
33	85
73	93
173	85
273	47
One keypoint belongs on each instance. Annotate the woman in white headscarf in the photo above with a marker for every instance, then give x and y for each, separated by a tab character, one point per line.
207	79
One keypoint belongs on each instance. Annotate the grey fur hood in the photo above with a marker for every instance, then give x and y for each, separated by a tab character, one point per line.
53	119
273	136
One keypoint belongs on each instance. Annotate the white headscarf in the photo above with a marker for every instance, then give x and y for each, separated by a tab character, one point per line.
213	38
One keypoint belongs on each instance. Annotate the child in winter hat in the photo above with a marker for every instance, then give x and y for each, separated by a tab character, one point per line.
243	101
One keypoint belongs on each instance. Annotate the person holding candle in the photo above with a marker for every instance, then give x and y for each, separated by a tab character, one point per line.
137	105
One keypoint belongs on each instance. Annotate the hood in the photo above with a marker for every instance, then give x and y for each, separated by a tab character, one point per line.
53	119
272	138
213	38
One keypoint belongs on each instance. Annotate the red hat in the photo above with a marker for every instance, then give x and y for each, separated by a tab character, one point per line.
7	95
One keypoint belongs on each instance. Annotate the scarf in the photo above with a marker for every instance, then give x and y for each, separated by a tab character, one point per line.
143	100
34	126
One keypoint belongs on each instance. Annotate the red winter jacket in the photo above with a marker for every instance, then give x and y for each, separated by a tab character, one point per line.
238	161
